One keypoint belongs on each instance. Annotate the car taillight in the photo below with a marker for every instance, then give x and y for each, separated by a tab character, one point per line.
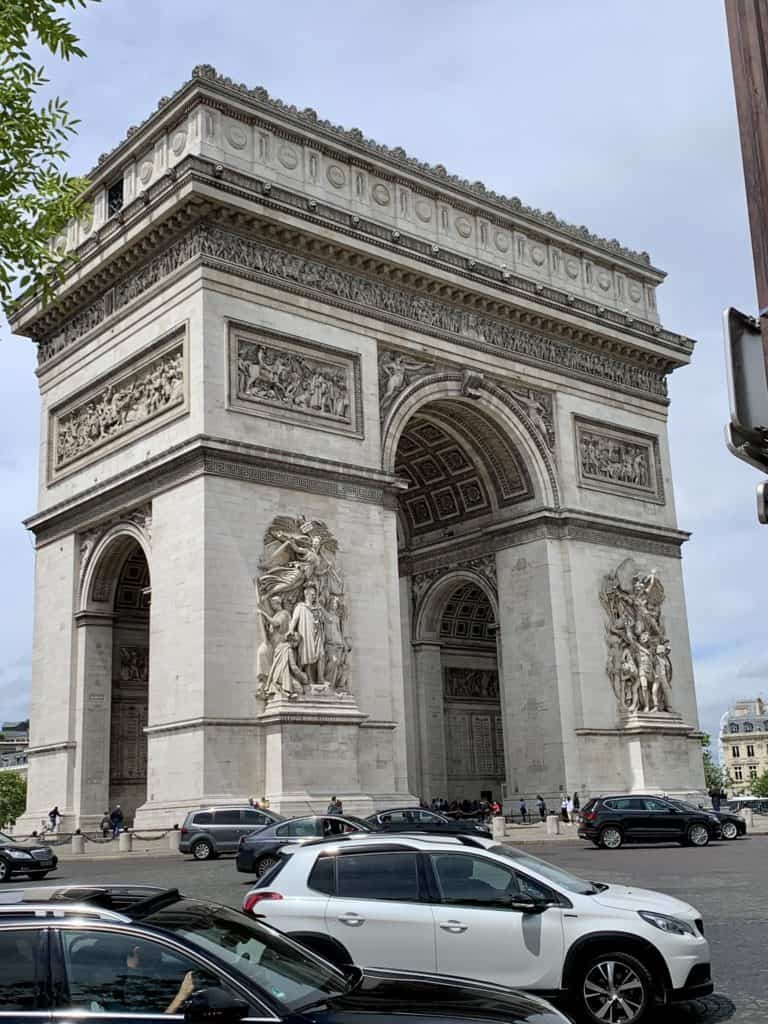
185	831
253	898
589	815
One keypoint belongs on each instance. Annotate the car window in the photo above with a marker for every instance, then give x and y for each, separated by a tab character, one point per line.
112	973
205	818
466	879
255	818
378	876
394	817
588	805
228	817
625	803
22	971
655	805
299	827
322	877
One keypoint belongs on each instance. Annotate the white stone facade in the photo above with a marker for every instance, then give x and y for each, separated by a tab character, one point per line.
281	319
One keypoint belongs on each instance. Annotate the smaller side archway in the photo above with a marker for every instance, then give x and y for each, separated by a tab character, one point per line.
456	677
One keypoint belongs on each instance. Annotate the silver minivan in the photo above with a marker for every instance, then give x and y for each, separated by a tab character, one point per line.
213	830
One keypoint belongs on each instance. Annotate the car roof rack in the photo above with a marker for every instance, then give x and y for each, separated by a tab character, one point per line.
36	911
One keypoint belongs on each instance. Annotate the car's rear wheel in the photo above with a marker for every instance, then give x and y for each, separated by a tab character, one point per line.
729	830
613	988
203	850
5	870
611	838
697	835
265	864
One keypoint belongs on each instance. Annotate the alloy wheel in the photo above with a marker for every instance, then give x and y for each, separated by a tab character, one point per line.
698	835
5	871
729	830
613	992
202	850
265	865
610	838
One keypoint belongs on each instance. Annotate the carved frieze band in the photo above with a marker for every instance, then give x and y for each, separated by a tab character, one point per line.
619	461
299	381
127	401
296	271
478	684
484	566
89	539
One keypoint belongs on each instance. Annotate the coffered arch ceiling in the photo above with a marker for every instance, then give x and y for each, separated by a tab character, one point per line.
467	617
459	466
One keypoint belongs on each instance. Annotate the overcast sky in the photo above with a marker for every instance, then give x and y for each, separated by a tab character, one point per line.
613	114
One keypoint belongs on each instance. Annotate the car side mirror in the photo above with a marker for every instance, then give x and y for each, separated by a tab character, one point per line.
214	1004
525	904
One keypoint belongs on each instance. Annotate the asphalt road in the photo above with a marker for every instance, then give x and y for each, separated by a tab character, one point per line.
727	882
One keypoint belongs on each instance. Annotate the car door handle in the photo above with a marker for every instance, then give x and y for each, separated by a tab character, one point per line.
454	927
353	920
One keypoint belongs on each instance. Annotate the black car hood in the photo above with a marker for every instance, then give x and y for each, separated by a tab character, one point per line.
412	996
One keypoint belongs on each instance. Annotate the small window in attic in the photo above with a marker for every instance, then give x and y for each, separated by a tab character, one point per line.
115	198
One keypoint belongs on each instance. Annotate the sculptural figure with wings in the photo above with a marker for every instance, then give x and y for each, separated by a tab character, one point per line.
297	552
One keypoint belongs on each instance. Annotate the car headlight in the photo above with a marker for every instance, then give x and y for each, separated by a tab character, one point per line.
18	854
671	925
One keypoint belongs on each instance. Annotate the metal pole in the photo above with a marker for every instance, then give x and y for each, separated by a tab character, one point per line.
748	35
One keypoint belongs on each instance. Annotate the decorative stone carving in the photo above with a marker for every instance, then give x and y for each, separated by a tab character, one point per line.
638	664
470	684
484	565
89	539
134	664
144	390
371	295
302	608
396	372
538	407
619	461
310	383
472	384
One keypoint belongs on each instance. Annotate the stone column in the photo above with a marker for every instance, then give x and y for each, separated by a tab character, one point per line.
534	670
429	697
93	700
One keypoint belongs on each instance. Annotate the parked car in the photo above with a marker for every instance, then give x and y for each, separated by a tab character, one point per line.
18	859
258	852
73	954
417	819
611	821
215	830
731	825
468	906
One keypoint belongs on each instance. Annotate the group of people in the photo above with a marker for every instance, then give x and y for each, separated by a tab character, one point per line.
569	807
111	821
468	808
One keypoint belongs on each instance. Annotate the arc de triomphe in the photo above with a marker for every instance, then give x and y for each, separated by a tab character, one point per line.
354	479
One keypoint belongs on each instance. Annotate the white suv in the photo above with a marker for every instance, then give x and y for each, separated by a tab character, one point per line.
471	908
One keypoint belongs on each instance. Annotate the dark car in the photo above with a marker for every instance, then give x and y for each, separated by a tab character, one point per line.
417	819
258	852
77	954
211	831
731	825
611	821
19	859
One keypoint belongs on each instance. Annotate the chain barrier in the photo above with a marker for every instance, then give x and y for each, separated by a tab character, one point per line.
96	838
151	839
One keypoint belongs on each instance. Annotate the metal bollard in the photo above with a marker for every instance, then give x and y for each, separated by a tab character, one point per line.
497	827
553	825
125	842
78	843
173	839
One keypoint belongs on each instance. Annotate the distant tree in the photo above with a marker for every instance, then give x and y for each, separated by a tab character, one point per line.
37	198
759	786
715	777
13	797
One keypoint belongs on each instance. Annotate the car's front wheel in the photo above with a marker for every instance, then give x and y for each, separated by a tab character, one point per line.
611	838
202	850
265	864
613	988
697	835
729	830
5	870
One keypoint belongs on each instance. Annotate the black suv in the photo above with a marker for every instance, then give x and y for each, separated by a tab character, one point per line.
611	821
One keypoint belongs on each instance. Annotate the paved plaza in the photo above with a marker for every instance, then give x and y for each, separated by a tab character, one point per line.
726	881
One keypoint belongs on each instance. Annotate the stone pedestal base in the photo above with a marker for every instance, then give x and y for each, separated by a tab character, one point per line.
312	752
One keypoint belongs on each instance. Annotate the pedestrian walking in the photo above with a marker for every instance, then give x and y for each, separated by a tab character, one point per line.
564	807
335	806
54	817
714	796
105	824
254	803
496	809
576	802
569	809
524	811
116	818
542	806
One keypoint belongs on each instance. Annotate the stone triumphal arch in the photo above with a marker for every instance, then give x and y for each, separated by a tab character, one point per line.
354	479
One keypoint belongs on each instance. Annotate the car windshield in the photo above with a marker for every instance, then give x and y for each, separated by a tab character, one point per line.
286	971
4	839
546	870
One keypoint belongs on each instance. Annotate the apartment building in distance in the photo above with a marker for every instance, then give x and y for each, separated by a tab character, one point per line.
744	742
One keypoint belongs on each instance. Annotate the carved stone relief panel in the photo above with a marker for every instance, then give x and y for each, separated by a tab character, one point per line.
119	407
397	371
618	461
285	378
470	684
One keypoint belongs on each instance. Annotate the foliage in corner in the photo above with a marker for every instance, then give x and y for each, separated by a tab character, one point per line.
13	797
759	786
715	776
37	198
